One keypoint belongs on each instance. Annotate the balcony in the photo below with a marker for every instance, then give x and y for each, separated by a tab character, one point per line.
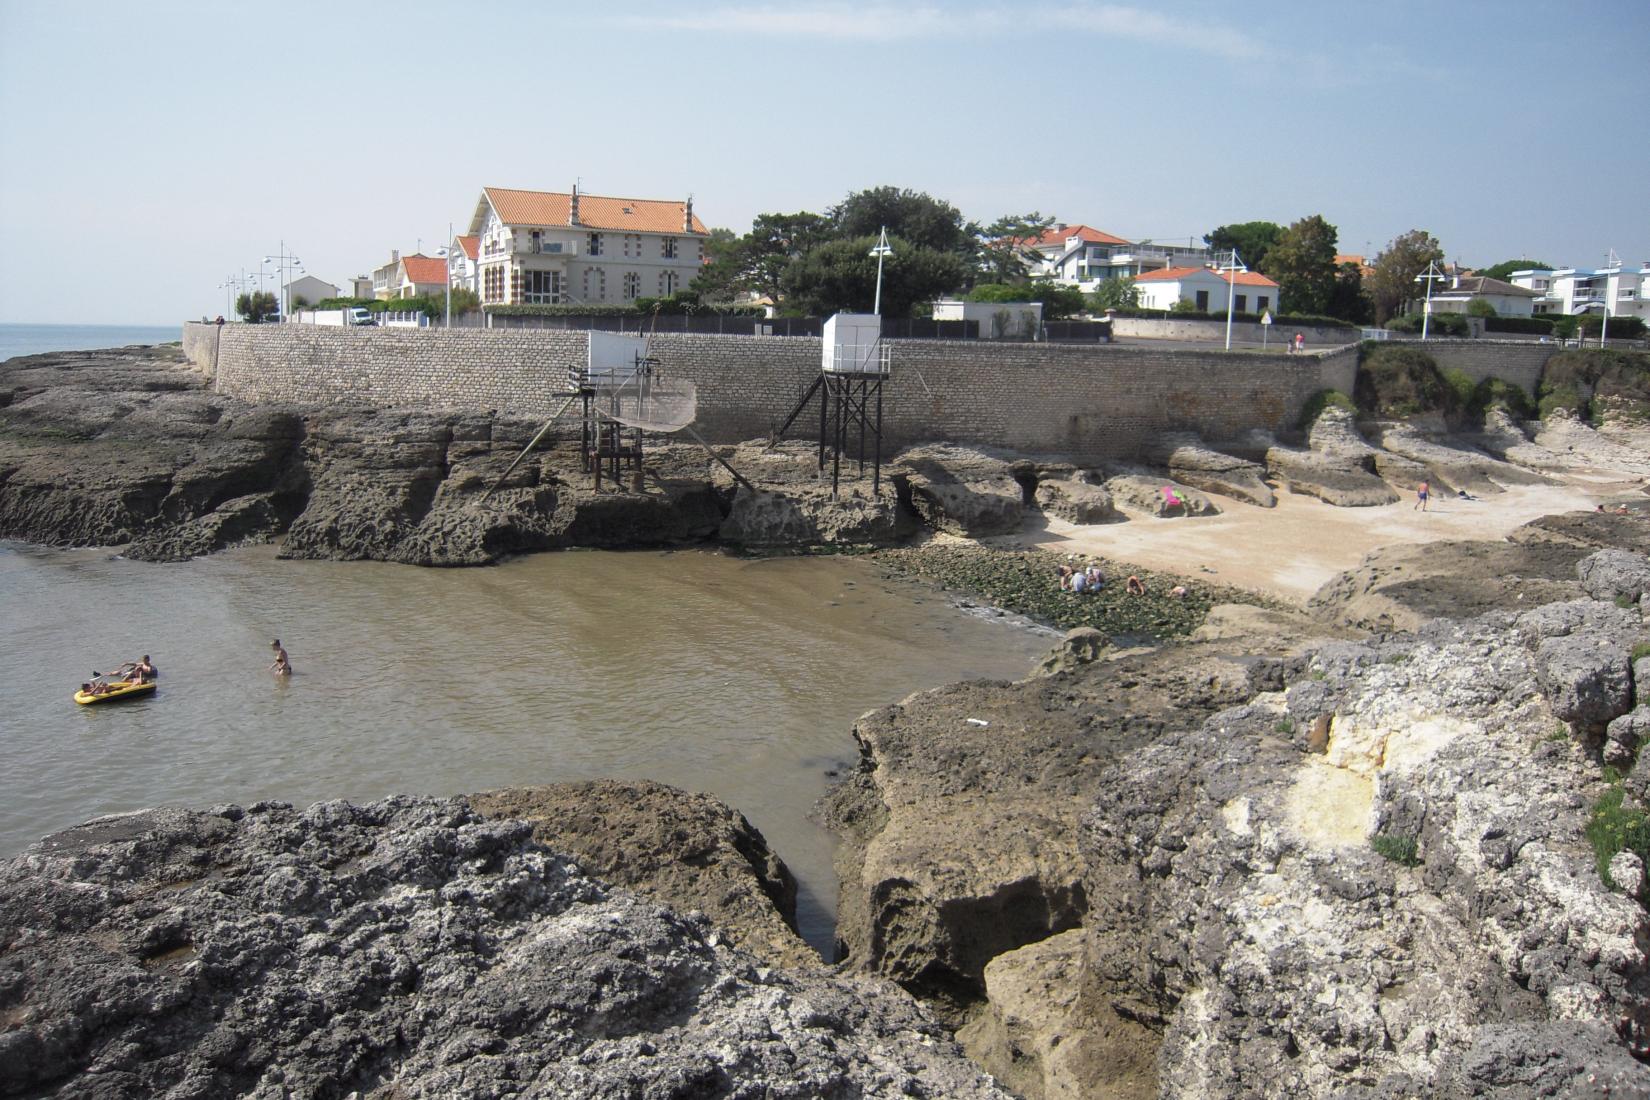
547	248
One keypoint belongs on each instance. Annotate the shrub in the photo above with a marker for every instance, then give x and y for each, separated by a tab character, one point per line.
1442	324
1538	326
1561	397
1461	385
1613	827
1641	651
1565	326
1397	381
1323	399
1480	307
1621	328
1186	305
1591	380
1399	849
1493	393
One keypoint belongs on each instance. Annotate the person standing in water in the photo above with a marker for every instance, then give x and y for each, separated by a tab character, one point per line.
282	665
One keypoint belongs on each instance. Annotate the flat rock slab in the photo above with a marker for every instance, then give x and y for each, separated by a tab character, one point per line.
1075	501
961	490
1338	478
1142	494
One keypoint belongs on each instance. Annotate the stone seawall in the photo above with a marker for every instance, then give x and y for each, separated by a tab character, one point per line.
1516	361
1169	327
200	345
1084	401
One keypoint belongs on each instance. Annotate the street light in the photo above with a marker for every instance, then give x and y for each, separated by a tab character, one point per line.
1612	266
1430	275
882	249
1232	266
285	262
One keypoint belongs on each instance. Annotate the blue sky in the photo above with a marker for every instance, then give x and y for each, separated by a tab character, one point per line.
150	150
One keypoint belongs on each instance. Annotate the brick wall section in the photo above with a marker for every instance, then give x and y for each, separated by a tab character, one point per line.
1517	361
1082	401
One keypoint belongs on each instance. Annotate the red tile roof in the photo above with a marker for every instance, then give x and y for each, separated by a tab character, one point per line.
1060	234
549	208
1173	274
471	246
424	269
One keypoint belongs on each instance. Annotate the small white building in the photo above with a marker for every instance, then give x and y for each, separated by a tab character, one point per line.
997	320
1508	299
462	255
1578	290
549	247
1206	289
306	291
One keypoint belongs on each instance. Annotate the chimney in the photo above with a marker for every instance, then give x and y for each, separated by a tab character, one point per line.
395	255
687	215
573	207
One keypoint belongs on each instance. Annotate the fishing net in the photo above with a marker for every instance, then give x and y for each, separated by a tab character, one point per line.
651	404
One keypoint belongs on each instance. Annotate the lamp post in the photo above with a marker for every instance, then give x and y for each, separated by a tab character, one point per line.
1232	266
285	262
1430	275
882	249
1612	266
448	322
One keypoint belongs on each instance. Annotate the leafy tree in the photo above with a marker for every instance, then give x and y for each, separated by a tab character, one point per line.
464	300
1059	301
1001	246
842	275
1118	293
757	261
1392	275
257	306
1505	268
920	220
1348	302
1302	262
1253	240
1480	307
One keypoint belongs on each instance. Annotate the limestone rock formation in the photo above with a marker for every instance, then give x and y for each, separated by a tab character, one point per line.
1563	433
406	948
1412	911
1011	768
685	851
1075	501
1190	462
961	490
1336	479
1454	467
1505	438
1143	494
1615	575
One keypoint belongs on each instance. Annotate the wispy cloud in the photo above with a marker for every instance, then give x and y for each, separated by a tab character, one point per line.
888	22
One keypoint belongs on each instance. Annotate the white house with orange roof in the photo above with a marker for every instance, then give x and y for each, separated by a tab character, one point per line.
1082	256
551	247
1206	289
462	257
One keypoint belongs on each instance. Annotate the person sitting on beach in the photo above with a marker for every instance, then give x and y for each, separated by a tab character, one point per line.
1079	582
1172	499
1097	579
1178	591
1064	573
1135	587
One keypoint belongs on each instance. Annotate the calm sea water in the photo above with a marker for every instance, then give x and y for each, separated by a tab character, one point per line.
736	677
35	339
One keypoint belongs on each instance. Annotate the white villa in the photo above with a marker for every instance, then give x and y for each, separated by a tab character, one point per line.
548	247
462	256
1206	289
1577	290
409	276
1508	299
307	290
1082	256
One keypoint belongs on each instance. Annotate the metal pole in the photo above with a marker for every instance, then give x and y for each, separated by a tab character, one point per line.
1426	310
449	323
1231	289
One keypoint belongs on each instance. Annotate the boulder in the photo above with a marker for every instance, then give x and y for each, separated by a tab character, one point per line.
1080	646
407	948
1335	478
1455	467
1615	575
1335	432
1075	501
961	490
1141	493
799	517
685	851
1586	678
1192	463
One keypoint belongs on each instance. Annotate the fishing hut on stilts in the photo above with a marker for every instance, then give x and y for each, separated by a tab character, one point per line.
854	364
622	394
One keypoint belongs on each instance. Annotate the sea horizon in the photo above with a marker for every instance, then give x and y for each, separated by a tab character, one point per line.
18	338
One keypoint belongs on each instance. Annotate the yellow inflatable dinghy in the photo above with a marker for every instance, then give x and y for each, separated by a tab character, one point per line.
118	689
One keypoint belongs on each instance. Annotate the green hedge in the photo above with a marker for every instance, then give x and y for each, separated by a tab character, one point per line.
1541	326
1621	328
1279	320
1443	324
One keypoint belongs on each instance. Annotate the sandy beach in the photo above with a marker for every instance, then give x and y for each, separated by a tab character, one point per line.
1290	551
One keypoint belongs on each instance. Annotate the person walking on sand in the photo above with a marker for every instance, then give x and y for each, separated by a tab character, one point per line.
1422	491
282	665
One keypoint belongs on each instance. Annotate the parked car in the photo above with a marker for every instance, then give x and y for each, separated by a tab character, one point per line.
360	315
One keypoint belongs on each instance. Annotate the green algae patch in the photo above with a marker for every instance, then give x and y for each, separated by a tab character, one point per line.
1026	582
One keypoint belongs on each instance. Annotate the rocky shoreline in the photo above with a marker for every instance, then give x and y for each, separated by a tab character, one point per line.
1392	844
